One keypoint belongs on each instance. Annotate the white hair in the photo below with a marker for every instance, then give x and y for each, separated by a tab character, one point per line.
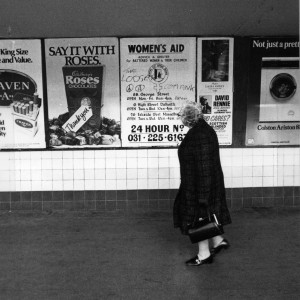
190	113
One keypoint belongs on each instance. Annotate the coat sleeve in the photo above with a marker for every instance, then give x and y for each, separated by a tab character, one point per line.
203	160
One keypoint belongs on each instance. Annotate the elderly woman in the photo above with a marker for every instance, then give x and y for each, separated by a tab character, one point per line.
202	188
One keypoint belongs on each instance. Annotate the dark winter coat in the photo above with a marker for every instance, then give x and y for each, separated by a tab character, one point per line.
202	182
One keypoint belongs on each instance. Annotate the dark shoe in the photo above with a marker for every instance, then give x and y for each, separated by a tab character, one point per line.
195	261
223	245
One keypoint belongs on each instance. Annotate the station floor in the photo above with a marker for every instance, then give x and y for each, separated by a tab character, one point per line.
115	255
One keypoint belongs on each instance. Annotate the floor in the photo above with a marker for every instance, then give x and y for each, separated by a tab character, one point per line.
139	255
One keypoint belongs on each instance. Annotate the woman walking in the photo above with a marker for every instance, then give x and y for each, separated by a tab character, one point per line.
202	189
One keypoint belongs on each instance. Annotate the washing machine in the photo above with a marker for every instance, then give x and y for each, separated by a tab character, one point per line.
279	91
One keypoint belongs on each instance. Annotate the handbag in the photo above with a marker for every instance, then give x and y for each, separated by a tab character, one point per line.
204	229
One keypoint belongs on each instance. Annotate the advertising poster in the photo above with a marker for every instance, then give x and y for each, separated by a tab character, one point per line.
157	78
215	84
21	95
273	98
215	65
217	110
83	92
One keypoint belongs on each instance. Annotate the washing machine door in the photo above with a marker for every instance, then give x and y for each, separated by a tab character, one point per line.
283	87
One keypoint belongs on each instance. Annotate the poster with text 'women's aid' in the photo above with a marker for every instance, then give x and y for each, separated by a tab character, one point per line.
157	78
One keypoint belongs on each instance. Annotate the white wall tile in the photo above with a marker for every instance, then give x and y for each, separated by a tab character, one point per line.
133	168
142	162
47	185
174	173
142	174
69	185
153	183
57	175
90	184
132	153
152	152
121	162
58	185
121	185
46	154
237	172
100	163
142	183
287	171
288	181
247	171
174	183
100	184
67	154
4	186
268	171
111	174
110	163
257	181
152	162
121	173
26	175
68	175
131	184
163	162
25	185
47	175
89	154
131	163
25	164
164	184
152	173
36	164
247	181
79	184
57	164
36	185
163	173
89	163
132	173
268	181
57	154
68	164
100	154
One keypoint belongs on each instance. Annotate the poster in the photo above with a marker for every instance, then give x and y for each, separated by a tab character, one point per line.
21	95
83	92
215	65
215	84
273	98
157	78
217	111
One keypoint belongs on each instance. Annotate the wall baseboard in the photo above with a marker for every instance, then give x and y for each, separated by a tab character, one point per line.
147	200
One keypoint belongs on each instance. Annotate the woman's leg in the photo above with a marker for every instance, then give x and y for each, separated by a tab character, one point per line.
216	240
203	250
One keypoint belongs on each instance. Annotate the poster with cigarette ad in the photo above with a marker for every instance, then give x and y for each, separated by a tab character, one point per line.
157	78
215	65
273	98
215	84
83	92
21	95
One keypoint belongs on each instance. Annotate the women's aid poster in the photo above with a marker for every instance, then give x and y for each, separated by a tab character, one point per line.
21	95
157	78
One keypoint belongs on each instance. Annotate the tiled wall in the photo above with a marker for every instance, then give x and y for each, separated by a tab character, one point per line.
251	174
